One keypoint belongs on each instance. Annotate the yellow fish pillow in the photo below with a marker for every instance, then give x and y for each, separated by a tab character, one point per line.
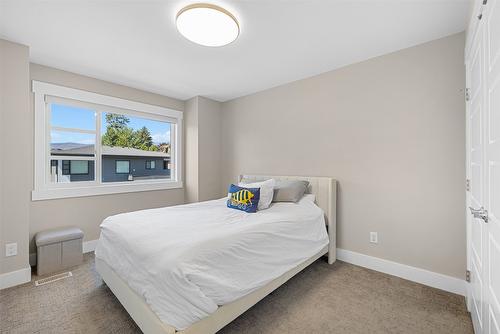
244	199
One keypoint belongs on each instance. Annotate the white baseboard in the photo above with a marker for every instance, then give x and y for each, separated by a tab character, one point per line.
13	278
422	276
88	246
418	275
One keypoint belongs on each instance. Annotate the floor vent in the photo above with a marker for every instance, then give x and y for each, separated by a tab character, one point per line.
53	278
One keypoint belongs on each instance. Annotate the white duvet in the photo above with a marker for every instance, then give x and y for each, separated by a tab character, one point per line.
187	260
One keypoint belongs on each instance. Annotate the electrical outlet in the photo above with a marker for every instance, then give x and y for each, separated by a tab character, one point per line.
374	237
11	249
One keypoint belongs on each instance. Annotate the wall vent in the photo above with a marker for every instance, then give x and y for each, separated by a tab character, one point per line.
53	278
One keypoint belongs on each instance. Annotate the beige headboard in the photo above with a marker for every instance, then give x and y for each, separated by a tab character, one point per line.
325	190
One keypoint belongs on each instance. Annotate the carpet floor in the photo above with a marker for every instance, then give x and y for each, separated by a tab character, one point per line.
341	298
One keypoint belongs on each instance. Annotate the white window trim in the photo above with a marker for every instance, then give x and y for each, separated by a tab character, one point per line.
42	190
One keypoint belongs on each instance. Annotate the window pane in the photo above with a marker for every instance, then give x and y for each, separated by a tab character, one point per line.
72	143
79	167
65	171
142	142
122	167
72	117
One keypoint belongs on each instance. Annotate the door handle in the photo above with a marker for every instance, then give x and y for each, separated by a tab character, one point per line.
480	213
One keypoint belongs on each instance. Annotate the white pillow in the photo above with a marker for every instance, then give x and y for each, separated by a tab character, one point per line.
308	198
266	192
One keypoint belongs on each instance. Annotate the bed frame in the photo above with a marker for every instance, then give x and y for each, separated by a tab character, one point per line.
325	190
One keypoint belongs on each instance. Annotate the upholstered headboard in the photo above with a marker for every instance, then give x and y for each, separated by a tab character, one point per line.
325	190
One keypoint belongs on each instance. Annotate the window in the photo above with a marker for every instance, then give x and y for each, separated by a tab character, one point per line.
122	167
150	164
78	167
90	144
72	144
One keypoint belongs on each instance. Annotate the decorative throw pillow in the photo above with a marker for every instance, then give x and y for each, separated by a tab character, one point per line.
289	190
244	199
266	191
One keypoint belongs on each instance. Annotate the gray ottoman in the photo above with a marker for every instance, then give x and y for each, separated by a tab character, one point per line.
58	249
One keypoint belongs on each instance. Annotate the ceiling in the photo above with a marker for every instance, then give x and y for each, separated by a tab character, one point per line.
135	43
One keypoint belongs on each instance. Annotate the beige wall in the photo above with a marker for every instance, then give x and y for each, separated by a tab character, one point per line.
202	122
390	129
88	212
16	152
191	150
210	141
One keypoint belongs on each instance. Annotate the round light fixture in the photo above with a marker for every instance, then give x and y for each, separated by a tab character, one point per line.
207	24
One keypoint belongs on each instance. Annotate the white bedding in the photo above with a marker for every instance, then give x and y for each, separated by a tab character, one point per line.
186	260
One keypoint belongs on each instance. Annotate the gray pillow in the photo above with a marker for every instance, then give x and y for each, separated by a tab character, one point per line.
289	191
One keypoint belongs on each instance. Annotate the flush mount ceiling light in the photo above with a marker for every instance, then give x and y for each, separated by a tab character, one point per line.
207	24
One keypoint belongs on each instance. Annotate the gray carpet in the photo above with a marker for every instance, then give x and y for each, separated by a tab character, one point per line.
341	298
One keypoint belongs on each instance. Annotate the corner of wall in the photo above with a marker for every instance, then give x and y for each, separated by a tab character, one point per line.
15	191
191	149
202	149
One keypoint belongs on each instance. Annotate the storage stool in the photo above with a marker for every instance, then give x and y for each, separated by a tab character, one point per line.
58	249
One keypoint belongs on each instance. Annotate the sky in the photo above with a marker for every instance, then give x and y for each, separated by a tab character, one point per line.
84	119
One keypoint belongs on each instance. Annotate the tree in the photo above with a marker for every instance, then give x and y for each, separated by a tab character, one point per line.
164	147
144	139
116	121
118	133
110	138
116	130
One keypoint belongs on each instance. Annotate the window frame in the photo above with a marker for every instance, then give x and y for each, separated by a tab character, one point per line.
45	93
116	166
152	164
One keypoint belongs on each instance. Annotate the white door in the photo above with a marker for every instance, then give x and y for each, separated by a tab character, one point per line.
483	116
492	165
476	228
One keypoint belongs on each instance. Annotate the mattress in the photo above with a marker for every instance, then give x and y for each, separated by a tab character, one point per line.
187	260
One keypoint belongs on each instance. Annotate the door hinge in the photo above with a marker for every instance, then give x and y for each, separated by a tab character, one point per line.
467	276
467	185
467	94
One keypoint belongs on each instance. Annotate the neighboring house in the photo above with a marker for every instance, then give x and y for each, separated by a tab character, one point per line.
119	164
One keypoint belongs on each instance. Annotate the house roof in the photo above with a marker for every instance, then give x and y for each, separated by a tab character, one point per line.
115	150
72	149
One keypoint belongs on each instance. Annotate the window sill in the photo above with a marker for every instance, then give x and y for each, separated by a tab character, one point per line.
104	189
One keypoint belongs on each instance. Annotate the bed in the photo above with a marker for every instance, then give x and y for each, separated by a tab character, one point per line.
135	287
